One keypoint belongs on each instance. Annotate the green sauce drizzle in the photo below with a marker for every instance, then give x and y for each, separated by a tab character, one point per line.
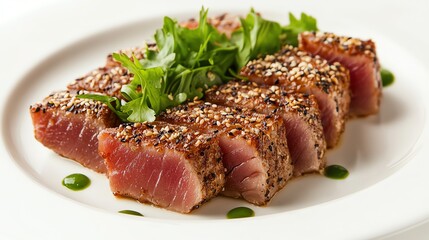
336	172
240	212
387	77
76	181
131	212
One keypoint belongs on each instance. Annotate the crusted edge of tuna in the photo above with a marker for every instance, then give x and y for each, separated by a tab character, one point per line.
66	102
105	80
295	69
299	71
273	99
233	121
66	106
191	144
349	46
345	44
258	130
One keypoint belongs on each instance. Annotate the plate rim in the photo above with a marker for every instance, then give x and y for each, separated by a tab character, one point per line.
389	181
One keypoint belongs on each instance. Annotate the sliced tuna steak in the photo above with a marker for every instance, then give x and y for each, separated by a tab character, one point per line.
167	165
300	114
298	71
254	147
105	80
359	57
109	79
69	126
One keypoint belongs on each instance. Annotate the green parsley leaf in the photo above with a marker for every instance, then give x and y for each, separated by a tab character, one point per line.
138	111
297	26
257	36
143	91
188	61
166	56
264	35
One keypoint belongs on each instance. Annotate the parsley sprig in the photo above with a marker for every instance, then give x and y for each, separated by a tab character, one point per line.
188	61
297	26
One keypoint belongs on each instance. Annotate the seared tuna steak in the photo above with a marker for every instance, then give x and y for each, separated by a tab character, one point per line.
254	147
167	165
359	57
105	80
109	79
298	71
300	114
69	126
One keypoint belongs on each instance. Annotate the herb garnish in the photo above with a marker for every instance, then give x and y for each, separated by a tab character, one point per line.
256	36
188	61
295	27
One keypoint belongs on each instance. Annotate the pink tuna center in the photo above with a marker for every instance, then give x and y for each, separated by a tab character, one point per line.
165	179
245	176
301	147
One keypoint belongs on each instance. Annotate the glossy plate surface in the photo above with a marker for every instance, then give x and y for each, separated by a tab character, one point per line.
385	154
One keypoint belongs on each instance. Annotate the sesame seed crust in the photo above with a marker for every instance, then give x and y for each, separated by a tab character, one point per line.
264	134
164	135
66	102
108	81
349	45
234	121
265	99
297	71
273	100
360	57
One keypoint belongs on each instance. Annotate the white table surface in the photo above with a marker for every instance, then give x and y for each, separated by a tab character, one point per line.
13	9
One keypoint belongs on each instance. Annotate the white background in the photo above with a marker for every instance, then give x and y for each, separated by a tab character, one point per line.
13	9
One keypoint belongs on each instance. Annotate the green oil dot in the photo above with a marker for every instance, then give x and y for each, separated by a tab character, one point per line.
76	181
131	212
240	212
336	172
387	77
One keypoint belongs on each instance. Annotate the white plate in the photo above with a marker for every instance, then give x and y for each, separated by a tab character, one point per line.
386	154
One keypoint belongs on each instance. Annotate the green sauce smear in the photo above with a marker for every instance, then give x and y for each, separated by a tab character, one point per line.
131	212
240	212
76	181
336	172
387	77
